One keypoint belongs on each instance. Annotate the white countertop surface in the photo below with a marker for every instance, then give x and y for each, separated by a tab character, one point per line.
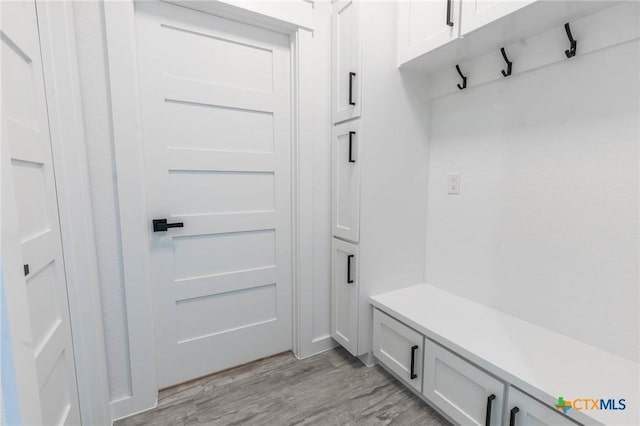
541	362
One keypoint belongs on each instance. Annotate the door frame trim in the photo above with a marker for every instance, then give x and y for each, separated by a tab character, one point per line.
129	161
59	58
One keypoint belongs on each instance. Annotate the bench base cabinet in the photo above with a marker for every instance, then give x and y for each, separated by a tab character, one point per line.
522	410
461	390
399	348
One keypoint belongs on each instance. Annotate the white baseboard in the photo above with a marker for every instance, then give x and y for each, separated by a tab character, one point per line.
318	345
126	407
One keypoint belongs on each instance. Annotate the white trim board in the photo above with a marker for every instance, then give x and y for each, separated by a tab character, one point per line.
123	81
281	16
64	105
119	20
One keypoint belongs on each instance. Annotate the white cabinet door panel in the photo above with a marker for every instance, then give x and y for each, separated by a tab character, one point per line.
477	13
345	170
399	348
460	389
345	61
526	411
426	25
344	294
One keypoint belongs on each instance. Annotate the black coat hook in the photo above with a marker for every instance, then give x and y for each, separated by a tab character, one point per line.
464	79
506	73
571	52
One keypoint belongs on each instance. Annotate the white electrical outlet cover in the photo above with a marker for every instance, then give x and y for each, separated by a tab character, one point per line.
453	184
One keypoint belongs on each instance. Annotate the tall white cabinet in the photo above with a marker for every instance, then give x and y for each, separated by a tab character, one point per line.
379	169
346	63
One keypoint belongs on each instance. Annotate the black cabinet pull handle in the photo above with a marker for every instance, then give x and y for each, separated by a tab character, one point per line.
412	373
351	160
161	225
352	75
26	270
349	279
512	416
490	399
449	21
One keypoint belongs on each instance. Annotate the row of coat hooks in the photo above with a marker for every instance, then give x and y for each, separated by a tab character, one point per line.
571	52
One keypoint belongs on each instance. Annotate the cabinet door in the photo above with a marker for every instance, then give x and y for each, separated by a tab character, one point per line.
344	294
426	25
460	389
345	60
526	411
477	13
399	348
345	179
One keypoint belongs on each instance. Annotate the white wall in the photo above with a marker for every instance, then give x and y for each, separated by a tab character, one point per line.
546	227
393	167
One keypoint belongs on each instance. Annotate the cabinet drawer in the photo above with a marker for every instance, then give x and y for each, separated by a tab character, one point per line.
345	181
460	389
527	411
344	294
399	348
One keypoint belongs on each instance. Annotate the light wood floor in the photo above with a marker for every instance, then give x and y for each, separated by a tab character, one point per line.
331	388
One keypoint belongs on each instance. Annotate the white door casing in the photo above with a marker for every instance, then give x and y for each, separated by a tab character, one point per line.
215	98
30	216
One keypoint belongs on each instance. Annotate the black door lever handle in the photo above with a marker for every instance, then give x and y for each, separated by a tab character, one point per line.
160	225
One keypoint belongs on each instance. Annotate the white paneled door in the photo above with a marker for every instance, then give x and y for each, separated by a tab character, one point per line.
216	122
32	249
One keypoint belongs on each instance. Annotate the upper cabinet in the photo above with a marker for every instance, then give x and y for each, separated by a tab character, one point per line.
436	33
426	25
478	13
345	61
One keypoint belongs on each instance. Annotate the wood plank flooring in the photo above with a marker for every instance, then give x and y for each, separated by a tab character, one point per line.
332	388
